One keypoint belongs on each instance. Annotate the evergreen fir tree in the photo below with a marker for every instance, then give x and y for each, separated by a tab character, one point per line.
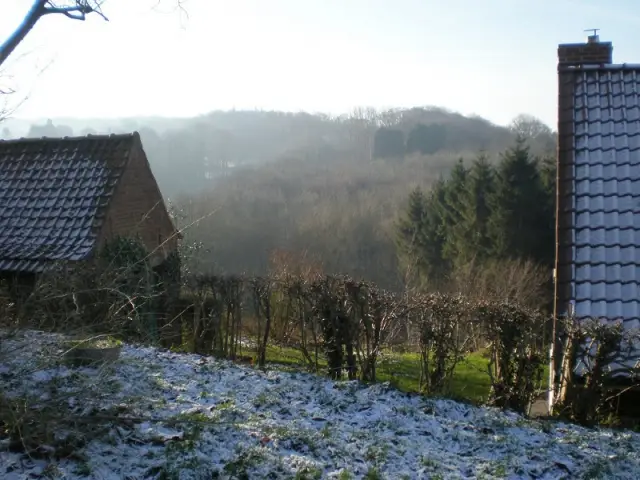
435	233
419	234
548	177
482	213
471	234
409	229
451	206
518	227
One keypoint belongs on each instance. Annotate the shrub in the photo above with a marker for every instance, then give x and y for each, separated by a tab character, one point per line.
515	351
113	294
598	356
439	318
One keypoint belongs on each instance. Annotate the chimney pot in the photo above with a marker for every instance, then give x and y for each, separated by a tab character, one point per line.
593	38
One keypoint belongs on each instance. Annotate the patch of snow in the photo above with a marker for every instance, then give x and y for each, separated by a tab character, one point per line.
196	417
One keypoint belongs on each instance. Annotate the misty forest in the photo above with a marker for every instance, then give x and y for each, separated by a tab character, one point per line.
383	196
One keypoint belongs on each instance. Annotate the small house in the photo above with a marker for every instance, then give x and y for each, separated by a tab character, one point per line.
597	271
61	199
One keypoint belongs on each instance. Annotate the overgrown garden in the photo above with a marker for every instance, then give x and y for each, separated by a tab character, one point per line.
485	350
471	323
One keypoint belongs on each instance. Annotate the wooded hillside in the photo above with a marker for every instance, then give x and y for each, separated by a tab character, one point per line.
331	189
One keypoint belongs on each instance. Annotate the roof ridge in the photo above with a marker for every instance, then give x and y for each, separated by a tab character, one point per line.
75	138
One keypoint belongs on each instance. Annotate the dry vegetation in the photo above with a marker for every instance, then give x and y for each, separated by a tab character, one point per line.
333	325
342	216
479	333
307	183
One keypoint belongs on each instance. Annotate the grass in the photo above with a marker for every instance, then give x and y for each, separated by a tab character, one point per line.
470	381
402	370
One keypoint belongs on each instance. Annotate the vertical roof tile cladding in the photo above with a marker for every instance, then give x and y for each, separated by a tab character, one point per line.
53	196
606	202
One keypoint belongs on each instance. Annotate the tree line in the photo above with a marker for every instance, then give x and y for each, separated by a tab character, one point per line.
481	212
190	156
424	139
250	183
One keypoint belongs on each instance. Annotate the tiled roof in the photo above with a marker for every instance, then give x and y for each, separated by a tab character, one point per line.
606	198
53	196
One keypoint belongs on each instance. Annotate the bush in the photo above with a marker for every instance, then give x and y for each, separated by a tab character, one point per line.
440	319
334	319
598	356
113	294
515	351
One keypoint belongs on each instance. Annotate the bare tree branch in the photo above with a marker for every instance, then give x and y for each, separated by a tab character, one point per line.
68	12
73	9
8	103
77	10
29	21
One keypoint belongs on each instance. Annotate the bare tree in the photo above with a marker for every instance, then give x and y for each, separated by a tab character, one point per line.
73	9
6	92
76	10
529	126
361	123
4	107
12	98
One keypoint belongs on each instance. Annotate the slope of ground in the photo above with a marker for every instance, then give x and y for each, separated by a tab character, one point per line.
157	414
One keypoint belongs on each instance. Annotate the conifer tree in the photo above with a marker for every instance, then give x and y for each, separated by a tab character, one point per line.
518	227
420	233
471	234
451	206
436	231
548	177
482	213
410	228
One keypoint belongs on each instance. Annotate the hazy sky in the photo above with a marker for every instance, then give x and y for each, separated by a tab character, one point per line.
494	58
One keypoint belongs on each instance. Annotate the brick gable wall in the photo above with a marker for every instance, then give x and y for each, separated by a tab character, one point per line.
137	208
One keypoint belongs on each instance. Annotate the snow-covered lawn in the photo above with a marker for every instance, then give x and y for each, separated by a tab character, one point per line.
159	414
